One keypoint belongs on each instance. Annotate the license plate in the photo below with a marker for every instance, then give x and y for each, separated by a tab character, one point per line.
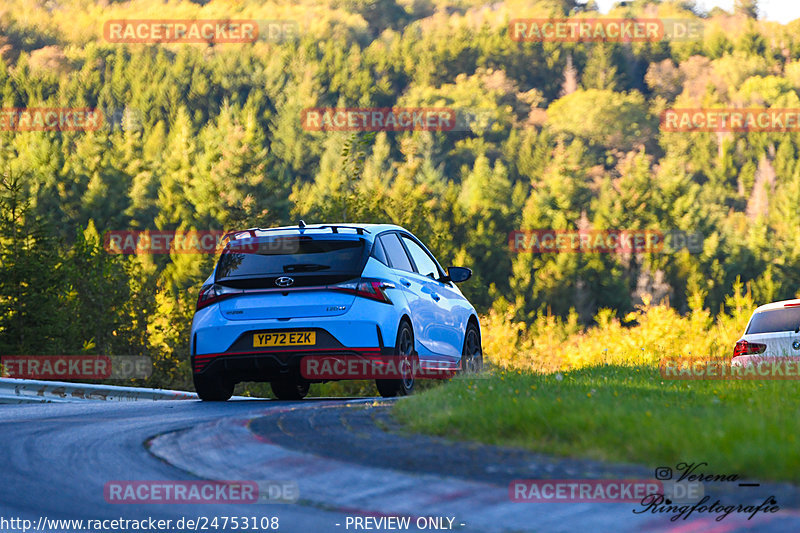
294	338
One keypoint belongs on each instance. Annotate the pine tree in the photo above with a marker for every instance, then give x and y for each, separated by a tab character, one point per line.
33	291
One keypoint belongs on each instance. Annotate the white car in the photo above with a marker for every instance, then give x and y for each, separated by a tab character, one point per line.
772	331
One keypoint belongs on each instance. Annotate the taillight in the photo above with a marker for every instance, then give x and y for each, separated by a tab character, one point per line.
213	293
374	289
748	348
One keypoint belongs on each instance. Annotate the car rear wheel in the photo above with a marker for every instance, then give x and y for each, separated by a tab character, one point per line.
290	389
472	354
404	349
213	388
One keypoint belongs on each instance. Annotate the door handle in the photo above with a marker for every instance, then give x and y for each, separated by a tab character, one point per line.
435	296
405	282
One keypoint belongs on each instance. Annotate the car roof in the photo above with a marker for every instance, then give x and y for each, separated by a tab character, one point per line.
778	305
370	230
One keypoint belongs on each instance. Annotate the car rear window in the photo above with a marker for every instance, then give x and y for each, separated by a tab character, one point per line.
291	256
775	320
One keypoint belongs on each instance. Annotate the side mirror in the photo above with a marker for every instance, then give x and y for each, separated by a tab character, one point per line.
458	274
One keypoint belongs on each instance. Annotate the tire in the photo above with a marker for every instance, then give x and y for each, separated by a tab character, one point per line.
213	388
472	353
290	389
404	349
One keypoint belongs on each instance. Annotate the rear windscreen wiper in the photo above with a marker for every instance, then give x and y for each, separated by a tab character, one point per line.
304	267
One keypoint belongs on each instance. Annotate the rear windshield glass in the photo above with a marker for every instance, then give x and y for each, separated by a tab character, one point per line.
278	256
775	320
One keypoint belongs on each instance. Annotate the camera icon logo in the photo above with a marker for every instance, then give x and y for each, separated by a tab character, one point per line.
663	473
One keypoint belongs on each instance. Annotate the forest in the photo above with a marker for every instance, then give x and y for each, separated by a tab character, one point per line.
557	136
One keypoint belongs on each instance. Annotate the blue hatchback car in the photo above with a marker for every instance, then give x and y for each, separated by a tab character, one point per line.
280	298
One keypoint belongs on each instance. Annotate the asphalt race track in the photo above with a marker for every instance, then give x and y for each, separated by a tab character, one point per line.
345	457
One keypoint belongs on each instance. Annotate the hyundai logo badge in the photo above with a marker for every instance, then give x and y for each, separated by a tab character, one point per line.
284	281
796	345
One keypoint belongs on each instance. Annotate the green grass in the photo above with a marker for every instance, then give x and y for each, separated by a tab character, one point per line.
626	414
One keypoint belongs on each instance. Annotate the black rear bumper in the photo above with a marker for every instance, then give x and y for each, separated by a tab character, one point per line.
242	362
268	366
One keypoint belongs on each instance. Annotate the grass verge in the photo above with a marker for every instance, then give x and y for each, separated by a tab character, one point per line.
622	413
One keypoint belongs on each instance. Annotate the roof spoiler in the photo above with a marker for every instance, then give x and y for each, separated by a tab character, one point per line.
231	235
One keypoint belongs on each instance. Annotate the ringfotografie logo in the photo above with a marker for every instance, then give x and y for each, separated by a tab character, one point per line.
696	472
